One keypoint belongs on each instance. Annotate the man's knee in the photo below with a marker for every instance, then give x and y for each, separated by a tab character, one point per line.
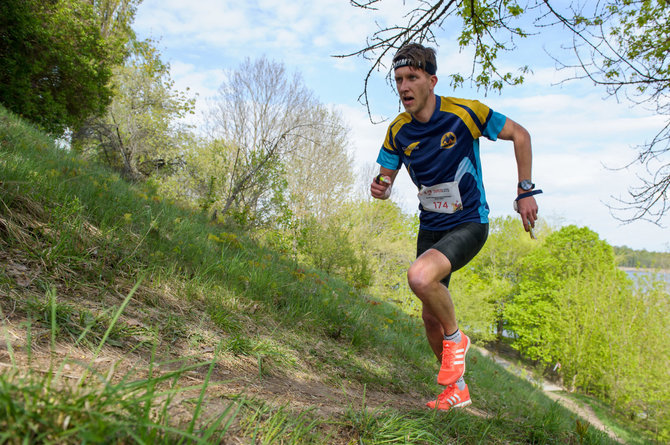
423	277
418	278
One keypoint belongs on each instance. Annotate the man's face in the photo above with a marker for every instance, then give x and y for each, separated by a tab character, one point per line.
415	87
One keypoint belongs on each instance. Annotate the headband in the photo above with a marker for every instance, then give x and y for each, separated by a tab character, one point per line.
429	68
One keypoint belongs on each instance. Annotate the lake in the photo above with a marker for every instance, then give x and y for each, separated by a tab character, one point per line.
634	273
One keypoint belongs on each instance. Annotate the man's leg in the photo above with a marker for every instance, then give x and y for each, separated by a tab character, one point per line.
434	332
439	254
424	277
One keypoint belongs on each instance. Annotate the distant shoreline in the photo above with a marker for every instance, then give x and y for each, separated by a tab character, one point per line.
644	269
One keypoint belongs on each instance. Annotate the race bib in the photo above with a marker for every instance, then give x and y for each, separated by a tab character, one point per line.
441	198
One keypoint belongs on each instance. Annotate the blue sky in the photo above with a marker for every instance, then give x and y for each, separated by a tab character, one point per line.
580	136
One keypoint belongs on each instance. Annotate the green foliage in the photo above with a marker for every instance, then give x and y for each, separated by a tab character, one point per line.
575	307
481	21
559	276
141	133
642	35
54	63
327	246
115	18
627	257
385	238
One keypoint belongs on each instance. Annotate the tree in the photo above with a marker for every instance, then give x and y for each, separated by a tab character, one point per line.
116	18
54	63
562	286
320	178
270	123
384	239
140	133
621	45
575	307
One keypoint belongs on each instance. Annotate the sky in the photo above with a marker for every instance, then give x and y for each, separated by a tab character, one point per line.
582	138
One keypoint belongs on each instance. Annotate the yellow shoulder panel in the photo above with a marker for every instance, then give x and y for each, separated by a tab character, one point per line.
481	110
394	128
452	105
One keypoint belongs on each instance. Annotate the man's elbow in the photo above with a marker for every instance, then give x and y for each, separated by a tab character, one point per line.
520	133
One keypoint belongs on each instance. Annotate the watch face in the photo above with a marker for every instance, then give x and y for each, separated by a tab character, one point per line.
526	185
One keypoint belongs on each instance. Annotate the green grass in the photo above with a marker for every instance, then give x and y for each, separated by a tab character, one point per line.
121	312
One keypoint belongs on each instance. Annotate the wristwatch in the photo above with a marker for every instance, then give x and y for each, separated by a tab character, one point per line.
526	185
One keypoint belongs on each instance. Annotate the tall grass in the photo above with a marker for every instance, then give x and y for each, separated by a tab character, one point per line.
46	406
106	248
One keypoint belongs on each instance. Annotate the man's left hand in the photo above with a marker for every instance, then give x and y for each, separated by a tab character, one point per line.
527	208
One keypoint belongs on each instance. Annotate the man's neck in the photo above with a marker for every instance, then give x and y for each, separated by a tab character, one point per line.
426	112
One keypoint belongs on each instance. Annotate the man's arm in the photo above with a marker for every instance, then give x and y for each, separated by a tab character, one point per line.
381	189
514	132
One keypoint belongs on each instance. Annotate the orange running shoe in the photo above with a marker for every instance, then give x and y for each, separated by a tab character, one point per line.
453	360
451	397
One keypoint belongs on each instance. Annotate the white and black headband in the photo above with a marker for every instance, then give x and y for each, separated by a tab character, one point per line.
429	68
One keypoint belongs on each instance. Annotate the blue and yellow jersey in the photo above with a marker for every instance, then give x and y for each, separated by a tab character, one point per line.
445	149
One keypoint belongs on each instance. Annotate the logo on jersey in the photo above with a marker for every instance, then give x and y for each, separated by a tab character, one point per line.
409	149
448	140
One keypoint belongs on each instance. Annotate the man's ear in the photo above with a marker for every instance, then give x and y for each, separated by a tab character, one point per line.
433	80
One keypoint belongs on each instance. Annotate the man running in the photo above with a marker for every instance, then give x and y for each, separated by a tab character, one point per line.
437	139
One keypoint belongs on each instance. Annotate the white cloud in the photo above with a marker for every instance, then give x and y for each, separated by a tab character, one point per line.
245	26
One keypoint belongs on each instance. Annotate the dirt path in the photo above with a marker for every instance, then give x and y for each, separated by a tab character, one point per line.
553	392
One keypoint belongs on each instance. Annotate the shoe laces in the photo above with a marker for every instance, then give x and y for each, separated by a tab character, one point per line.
447	354
448	392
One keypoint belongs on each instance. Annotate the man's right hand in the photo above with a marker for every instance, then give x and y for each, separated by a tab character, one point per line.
381	187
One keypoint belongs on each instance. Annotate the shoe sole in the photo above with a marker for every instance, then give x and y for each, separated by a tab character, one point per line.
463	404
467	348
458	405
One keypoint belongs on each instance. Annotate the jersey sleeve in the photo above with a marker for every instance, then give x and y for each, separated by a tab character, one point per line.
388	156
388	160
494	126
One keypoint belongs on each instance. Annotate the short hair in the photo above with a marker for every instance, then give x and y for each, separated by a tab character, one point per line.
416	55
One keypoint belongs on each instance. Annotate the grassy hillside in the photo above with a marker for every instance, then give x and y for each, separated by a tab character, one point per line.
129	319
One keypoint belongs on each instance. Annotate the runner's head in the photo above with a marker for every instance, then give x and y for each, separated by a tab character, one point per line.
417	56
414	72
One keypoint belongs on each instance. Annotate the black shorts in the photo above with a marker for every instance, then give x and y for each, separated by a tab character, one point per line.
459	244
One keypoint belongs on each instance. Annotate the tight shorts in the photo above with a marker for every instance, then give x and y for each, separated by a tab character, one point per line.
459	244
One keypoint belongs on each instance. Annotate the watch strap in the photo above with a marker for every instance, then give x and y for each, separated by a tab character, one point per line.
527	194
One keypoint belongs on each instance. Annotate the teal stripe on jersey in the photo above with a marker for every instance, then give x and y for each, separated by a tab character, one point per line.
388	160
466	167
495	126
